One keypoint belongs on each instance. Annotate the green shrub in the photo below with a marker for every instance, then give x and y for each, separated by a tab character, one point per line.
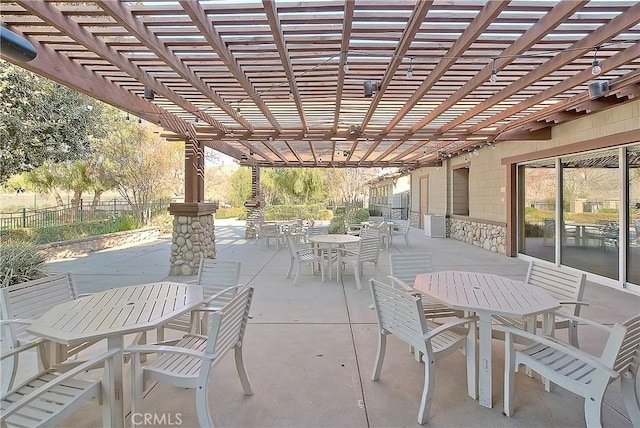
288	212
20	262
235	212
66	232
336	225
361	215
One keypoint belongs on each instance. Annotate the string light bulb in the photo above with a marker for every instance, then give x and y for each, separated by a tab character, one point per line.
410	69
494	72
345	66
291	93
595	65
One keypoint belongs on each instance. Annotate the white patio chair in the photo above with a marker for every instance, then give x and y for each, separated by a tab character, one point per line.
400	314
368	250
188	362
317	230
582	373
565	286
302	253
269	231
402	229
51	396
381	231
376	220
20	304
403	270
214	275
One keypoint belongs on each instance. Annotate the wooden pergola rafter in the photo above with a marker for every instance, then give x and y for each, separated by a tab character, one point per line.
265	82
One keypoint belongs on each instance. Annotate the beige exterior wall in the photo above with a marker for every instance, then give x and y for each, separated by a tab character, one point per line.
487	176
438	189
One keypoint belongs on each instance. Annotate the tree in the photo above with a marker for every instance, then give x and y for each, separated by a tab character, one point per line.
268	187
41	120
143	167
240	187
348	185
302	185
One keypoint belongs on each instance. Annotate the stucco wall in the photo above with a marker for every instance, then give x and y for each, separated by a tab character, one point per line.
437	189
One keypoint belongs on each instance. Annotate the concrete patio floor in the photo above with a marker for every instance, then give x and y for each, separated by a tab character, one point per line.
309	349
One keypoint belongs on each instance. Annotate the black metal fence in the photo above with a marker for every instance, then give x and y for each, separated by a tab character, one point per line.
26	217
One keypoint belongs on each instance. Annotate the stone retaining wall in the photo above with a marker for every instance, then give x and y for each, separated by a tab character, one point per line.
78	247
491	237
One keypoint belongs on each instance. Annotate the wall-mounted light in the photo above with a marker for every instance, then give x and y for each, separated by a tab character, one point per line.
370	87
149	94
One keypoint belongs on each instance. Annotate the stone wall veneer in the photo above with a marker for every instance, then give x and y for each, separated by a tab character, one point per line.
193	237
491	237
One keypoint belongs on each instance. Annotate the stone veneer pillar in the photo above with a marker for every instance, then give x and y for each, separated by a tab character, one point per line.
254	216
193	236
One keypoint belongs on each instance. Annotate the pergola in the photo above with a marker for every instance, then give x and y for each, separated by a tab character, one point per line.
366	83
282	83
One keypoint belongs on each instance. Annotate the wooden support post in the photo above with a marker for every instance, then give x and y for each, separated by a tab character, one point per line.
193	171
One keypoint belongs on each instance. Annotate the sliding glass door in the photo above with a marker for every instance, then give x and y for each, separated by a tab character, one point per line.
583	211
633	215
591	212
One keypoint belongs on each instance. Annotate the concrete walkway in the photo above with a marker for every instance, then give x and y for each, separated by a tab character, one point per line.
309	349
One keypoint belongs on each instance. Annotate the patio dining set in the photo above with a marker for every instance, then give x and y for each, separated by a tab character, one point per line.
435	313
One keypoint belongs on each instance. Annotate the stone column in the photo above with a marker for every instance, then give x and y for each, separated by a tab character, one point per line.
193	236
255	207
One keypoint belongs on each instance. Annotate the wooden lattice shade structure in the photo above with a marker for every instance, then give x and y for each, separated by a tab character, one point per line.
281	83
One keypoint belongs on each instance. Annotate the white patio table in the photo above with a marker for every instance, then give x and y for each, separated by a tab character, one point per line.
112	314
327	242
487	295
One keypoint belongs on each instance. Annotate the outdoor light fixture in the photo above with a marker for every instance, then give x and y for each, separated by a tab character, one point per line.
494	72
597	88
370	88
270	138
290	93
345	66
410	69
149	94
16	47
595	65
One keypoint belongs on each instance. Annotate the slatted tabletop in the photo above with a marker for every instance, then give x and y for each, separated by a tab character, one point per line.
326	244
117	311
485	292
111	315
486	295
